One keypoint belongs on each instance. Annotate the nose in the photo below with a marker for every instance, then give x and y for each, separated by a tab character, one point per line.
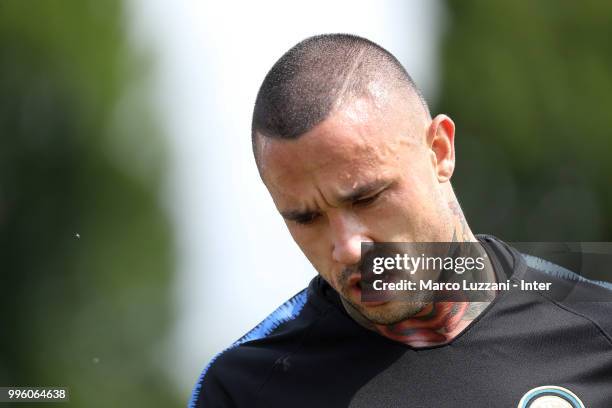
347	235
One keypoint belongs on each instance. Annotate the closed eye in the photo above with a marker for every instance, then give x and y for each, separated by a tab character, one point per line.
363	202
305	219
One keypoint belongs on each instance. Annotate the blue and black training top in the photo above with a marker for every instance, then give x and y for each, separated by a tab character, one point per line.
525	349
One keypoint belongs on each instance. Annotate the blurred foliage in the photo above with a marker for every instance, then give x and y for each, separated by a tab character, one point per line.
79	155
528	84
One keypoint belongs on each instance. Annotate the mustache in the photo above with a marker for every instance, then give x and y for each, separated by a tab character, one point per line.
357	268
363	267
348	271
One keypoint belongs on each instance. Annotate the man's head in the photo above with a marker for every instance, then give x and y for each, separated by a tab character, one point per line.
346	146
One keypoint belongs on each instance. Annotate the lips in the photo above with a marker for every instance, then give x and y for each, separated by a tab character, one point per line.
356	293
355	281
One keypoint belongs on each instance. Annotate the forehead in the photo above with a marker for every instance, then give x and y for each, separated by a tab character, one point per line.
357	143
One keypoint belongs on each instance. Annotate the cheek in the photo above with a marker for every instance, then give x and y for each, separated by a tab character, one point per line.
422	212
394	219
403	215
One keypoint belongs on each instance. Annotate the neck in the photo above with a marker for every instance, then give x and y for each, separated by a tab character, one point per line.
461	229
438	322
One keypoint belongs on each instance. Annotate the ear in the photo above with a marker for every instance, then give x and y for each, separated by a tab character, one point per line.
441	142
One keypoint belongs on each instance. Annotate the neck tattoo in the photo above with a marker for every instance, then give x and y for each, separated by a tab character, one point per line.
438	323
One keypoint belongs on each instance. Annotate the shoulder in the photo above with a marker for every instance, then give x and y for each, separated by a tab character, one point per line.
590	300
587	301
235	375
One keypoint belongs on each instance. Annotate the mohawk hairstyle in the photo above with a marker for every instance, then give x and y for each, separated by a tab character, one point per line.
318	75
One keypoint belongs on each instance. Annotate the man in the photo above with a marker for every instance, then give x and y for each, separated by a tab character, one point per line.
350	154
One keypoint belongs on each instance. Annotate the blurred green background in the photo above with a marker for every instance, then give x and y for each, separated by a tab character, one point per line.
527	83
90	313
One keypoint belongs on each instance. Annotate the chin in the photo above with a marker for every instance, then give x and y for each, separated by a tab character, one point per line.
390	312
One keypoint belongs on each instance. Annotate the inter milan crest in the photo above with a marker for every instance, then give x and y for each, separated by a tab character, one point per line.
550	396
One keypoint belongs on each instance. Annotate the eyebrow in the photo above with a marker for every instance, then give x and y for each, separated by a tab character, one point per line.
356	194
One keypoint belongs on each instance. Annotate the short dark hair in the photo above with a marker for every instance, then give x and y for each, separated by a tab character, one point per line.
317	75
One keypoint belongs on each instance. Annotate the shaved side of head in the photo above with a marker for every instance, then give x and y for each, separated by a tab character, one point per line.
322	74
